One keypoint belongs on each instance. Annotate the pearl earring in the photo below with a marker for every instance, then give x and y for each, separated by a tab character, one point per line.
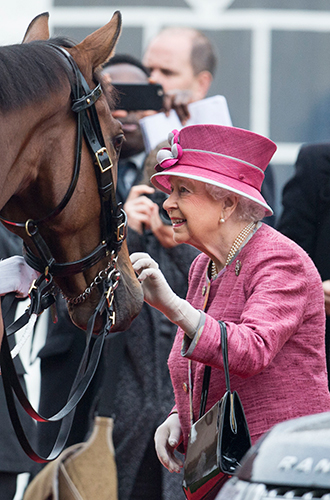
222	220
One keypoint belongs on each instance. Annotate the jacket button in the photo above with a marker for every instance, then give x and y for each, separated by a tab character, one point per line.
185	387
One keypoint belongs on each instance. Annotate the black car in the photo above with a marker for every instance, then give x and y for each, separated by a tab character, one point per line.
291	461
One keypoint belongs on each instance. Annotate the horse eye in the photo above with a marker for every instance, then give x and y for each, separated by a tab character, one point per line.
117	142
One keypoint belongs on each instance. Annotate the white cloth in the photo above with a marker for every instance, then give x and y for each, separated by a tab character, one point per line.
16	276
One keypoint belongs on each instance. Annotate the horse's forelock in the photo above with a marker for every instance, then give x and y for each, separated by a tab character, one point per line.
30	72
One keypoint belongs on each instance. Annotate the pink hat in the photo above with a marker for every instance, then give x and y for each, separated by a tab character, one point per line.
228	157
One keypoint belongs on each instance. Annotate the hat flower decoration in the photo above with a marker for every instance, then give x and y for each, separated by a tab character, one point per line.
166	157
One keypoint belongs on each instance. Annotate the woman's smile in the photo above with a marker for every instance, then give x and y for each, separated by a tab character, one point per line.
177	222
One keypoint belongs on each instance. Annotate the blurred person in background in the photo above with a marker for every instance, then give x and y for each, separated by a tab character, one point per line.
306	215
183	61
125	69
143	392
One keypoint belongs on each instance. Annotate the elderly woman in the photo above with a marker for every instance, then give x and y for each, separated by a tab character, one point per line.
262	285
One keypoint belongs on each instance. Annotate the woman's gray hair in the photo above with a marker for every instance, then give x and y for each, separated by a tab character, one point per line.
246	209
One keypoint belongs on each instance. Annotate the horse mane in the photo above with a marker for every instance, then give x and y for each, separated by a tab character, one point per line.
31	72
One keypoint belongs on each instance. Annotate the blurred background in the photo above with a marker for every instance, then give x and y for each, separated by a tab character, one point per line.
273	56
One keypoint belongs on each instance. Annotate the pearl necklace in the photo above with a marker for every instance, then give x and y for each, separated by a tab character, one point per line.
233	249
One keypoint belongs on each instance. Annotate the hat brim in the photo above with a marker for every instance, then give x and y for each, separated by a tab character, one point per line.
161	180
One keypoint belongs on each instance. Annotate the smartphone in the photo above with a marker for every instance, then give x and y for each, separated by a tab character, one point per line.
142	96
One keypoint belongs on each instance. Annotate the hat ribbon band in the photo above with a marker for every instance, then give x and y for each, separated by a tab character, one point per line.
224	156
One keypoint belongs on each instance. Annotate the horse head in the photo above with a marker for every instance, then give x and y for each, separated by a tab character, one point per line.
59	184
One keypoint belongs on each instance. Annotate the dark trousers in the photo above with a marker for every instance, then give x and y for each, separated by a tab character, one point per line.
148	484
7	485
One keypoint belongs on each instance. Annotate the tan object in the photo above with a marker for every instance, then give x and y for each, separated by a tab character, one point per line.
84	471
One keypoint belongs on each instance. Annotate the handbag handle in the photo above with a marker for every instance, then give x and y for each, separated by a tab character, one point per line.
224	347
207	371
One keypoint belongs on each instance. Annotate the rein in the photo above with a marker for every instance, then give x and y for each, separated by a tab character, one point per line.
42	292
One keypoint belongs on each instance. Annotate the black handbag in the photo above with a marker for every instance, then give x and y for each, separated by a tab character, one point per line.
217	441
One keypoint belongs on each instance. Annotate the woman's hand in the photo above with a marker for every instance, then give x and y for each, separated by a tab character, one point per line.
157	291
16	276
160	295
167	438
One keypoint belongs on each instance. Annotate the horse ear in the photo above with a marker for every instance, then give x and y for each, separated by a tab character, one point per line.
38	29
100	45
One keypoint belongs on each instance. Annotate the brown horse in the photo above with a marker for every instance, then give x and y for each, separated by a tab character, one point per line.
38	142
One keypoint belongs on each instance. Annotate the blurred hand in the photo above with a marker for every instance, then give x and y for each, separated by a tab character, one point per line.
178	100
139	208
167	438
143	213
16	276
326	289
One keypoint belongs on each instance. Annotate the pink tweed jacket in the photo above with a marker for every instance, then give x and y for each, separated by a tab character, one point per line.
271	300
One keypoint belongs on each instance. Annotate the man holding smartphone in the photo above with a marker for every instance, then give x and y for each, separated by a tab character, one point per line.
135	99
183	61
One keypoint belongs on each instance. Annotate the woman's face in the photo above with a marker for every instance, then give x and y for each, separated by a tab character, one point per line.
193	211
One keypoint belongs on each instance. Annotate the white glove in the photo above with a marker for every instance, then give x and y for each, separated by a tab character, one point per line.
167	438
160	295
16	276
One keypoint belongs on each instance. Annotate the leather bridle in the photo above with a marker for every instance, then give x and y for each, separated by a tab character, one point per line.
42	293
